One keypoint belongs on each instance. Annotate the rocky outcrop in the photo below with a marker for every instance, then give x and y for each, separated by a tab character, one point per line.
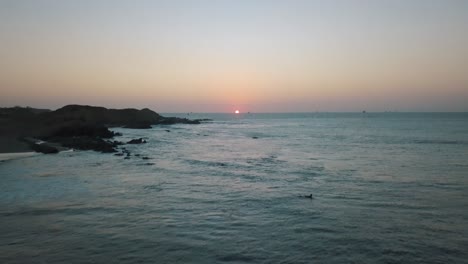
89	143
20	112
78	126
44	148
82	136
177	120
41	146
95	115
138	125
81	130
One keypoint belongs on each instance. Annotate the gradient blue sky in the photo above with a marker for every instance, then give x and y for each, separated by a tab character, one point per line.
218	56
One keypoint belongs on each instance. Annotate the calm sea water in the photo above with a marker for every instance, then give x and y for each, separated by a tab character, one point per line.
388	188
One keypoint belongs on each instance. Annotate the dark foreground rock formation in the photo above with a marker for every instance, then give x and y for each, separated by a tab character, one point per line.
44	148
76	126
130	118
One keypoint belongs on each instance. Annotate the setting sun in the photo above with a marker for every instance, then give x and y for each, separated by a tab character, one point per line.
237	111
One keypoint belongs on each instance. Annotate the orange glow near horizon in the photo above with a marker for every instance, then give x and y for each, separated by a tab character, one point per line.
227	56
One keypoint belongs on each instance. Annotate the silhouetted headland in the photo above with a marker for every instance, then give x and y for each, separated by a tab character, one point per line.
73	126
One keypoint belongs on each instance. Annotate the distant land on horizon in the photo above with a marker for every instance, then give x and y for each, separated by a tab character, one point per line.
44	109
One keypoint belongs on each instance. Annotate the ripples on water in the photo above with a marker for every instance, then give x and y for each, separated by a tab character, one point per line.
388	188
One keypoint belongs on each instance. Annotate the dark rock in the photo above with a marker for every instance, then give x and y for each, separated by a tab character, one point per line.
44	148
177	120
143	125
18	112
81	130
87	143
307	196
79	126
137	141
129	118
101	116
146	164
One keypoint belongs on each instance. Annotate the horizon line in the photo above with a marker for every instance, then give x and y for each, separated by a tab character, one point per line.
364	111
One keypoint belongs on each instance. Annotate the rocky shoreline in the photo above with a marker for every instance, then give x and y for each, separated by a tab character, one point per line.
77	127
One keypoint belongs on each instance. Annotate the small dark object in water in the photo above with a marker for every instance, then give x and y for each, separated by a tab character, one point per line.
167	130
146	164
137	155
307	196
254	137
127	157
118	154
145	158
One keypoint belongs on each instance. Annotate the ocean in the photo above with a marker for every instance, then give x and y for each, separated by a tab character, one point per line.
387	188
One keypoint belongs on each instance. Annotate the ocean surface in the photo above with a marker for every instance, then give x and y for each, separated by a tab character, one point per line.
387	188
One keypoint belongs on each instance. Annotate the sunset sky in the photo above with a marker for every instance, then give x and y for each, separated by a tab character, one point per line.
216	56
